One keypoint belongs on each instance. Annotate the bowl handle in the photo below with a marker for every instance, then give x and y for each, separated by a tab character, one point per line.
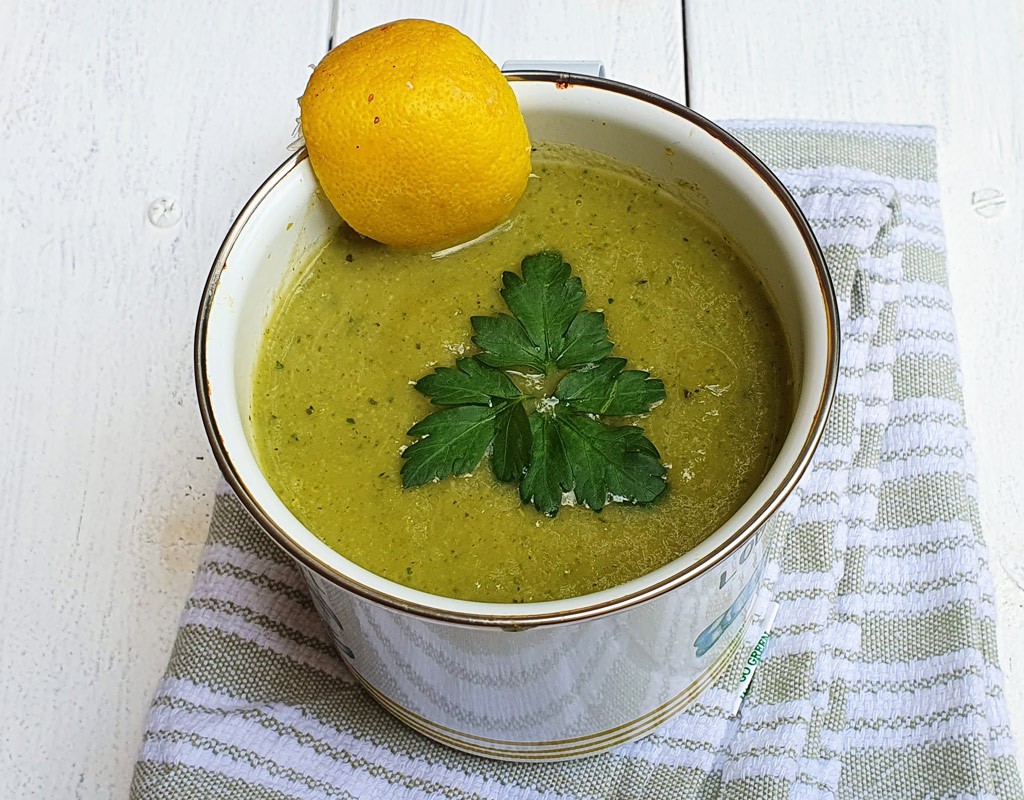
593	68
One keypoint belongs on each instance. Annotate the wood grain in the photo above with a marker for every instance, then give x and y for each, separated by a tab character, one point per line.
105	475
640	41
956	66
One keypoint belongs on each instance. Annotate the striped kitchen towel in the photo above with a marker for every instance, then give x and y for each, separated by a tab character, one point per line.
880	679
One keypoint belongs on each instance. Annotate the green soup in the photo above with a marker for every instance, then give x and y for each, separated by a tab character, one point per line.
333	400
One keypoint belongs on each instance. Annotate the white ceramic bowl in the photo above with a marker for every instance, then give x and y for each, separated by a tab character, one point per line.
564	678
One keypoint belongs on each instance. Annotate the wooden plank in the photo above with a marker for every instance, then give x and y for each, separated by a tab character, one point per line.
105	473
639	41
955	66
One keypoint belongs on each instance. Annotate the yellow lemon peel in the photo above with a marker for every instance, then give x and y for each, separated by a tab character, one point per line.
415	135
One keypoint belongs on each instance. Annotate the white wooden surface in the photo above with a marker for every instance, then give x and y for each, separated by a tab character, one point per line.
105	478
104	500
958	66
639	41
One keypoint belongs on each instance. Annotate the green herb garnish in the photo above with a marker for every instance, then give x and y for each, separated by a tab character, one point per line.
538	394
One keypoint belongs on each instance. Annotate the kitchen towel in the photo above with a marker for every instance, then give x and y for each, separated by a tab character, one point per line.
880	678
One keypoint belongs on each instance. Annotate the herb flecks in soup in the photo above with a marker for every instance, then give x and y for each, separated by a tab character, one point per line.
332	399
537	395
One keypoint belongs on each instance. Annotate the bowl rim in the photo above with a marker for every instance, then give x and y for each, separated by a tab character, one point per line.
523	618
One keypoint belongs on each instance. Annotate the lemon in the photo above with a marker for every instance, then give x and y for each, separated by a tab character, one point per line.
415	135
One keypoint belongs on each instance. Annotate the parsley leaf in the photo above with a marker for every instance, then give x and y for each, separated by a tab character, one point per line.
549	473
545	300
608	390
451	441
506	345
585	342
548	328
512	441
469	383
556	444
610	462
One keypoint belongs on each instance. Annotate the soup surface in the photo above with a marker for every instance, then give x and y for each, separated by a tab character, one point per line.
333	400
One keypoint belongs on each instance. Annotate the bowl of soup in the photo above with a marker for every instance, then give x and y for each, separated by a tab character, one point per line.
467	613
